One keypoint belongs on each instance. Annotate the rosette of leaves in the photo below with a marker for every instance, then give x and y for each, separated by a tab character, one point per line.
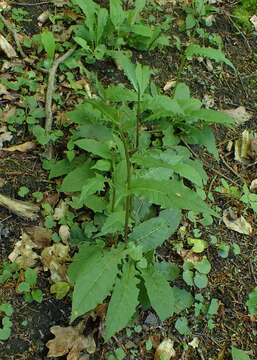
127	166
105	30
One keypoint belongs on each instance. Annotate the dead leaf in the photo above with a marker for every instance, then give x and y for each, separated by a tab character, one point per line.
25	147
4	5
246	146
43	17
54	258
194	343
64	233
253	20
169	84
5	135
8	113
20	208
71	341
239	114
235	223
189	255
39	235
60	210
60	3
7	47
165	351
253	185
23	253
3	90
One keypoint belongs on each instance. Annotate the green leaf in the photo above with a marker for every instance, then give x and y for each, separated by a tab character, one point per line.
152	233
123	302
119	93
200	280
96	203
203	266
212	116
211	53
128	67
183	299
182	92
143	74
213	307
60	289
204	136
31	277
169	194
48	41
95	147
102	165
117	15
74	181
199	245
114	223
37	295
238	354
252	302
94	282
160	293
169	270
5	331
82	42
91	186
102	18
6	308
182	327
23	287
188	277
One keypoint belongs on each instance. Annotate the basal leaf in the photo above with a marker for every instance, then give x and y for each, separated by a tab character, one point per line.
128	67
94	147
213	116
123	302
238	354
48	42
115	222
96	203
75	180
91	186
169	194
102	18
211	53
160	293
82	42
117	14
95	282
143	74
152	233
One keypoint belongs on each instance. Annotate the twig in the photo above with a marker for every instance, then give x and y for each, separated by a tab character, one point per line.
30	4
20	208
12	30
50	88
230	168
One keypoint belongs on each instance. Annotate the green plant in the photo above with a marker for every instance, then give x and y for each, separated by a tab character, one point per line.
198	13
243	11
8	271
28	287
23	191
130	176
252	302
238	354
5	329
104	31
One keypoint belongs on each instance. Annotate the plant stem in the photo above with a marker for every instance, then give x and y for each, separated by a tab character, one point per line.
128	196
138	118
113	185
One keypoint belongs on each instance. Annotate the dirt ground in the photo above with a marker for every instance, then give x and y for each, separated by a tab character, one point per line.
230	280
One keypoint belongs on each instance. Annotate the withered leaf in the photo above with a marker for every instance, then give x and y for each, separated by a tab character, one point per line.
54	258
7	48
23	253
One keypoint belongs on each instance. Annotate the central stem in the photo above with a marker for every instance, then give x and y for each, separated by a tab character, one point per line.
138	118
128	196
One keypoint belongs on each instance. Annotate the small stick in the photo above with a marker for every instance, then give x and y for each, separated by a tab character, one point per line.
230	168
12	30
20	208
30	4
50	88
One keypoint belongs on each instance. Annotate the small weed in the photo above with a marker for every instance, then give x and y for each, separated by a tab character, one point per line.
28	287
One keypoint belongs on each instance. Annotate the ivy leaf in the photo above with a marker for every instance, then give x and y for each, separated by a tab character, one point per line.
160	293
95	282
152	233
123	302
238	354
169	194
95	147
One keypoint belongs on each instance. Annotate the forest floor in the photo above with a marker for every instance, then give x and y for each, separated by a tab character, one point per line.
232	277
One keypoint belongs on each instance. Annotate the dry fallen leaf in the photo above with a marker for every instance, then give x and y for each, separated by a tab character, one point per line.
7	48
246	146
71	341
23	253
54	258
253	20
165	351
64	233
235	223
169	84
239	114
25	147
20	208
5	135
39	235
253	185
